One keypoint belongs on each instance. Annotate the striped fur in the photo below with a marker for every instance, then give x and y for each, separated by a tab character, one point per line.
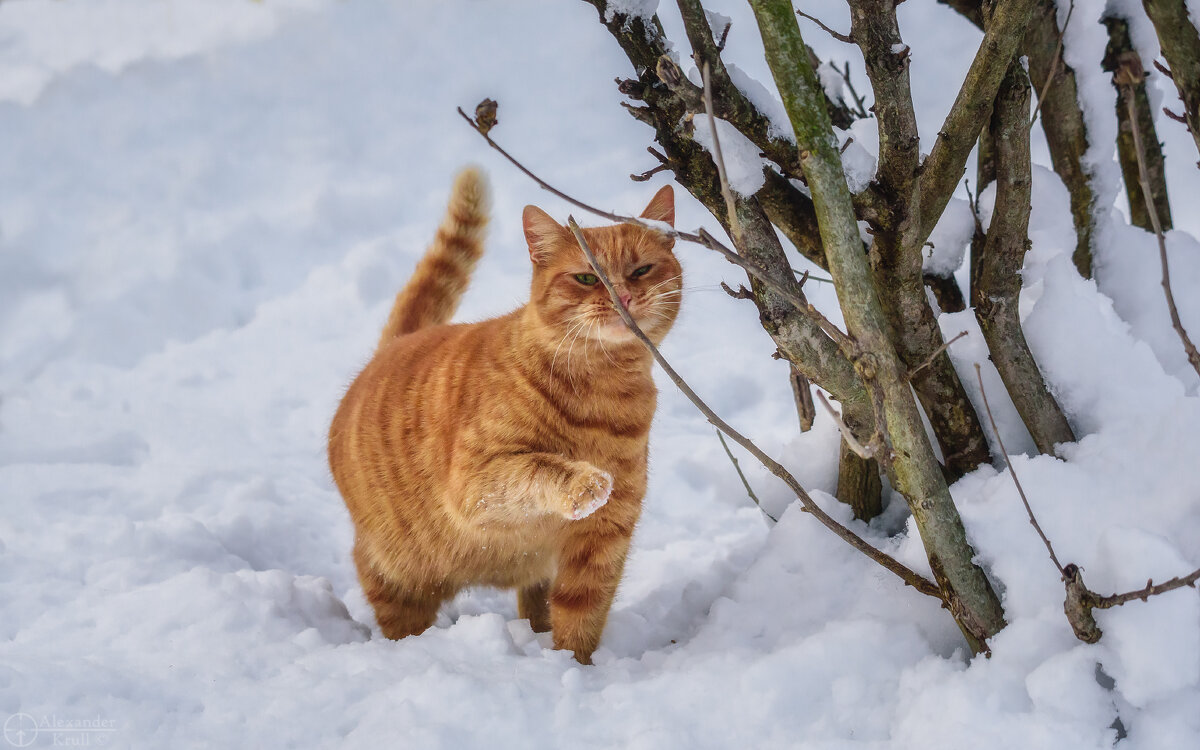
431	296
510	452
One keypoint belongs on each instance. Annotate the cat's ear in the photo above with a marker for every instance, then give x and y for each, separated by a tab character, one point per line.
541	232
661	206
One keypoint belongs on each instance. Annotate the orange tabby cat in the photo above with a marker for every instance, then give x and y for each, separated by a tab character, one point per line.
510	452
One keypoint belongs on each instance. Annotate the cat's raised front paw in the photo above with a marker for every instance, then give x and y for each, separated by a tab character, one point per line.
589	490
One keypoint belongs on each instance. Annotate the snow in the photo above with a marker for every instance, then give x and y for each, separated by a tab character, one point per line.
718	24
202	224
858	163
831	82
743	161
764	100
643	9
950	239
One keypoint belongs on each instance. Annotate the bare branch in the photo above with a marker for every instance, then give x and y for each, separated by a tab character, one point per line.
860	450
933	356
1152	589
649	173
1080	600
700	237
956	138
859	107
726	191
1126	78
741	476
1174	115
1013	474
912	578
847	38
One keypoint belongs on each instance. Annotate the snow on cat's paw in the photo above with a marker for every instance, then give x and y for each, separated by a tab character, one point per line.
589	491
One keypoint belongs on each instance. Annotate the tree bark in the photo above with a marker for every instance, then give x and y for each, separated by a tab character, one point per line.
1062	122
999	281
859	484
1180	42
1122	60
946	291
944	166
1061	118
799	340
913	468
896	250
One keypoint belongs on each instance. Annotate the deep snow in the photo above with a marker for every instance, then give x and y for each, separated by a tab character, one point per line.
205	208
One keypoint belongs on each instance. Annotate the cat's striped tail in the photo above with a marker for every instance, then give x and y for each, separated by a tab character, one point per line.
432	293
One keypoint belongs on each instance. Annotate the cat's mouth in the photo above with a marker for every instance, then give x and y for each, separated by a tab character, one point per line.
613	329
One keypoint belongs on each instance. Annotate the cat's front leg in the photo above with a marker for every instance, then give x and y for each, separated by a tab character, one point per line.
513	488
590	564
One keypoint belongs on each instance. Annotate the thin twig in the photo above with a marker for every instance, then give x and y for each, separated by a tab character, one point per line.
745	482
700	237
810	277
860	450
835	34
860	108
1174	115
726	191
1054	61
1029	510
912	578
648	173
1193	355
933	356
844	342
1152	589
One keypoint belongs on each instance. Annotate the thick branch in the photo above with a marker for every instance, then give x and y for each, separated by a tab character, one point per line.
797	335
998	285
1180	42
1062	122
946	161
915	471
896	251
1061	118
1123	61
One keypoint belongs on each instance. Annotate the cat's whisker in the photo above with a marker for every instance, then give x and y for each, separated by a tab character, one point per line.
664	281
575	326
571	350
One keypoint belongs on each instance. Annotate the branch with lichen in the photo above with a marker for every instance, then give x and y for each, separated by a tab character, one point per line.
915	472
896	250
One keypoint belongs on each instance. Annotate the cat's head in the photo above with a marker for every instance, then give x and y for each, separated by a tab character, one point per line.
568	296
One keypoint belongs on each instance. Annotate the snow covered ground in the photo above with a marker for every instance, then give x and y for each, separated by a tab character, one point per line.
205	208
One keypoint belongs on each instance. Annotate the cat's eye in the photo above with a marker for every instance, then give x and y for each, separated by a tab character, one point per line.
640	272
587	279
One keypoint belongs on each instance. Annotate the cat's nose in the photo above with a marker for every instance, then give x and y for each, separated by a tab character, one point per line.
625	299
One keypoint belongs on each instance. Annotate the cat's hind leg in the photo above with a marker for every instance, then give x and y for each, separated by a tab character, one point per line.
533	604
400	610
